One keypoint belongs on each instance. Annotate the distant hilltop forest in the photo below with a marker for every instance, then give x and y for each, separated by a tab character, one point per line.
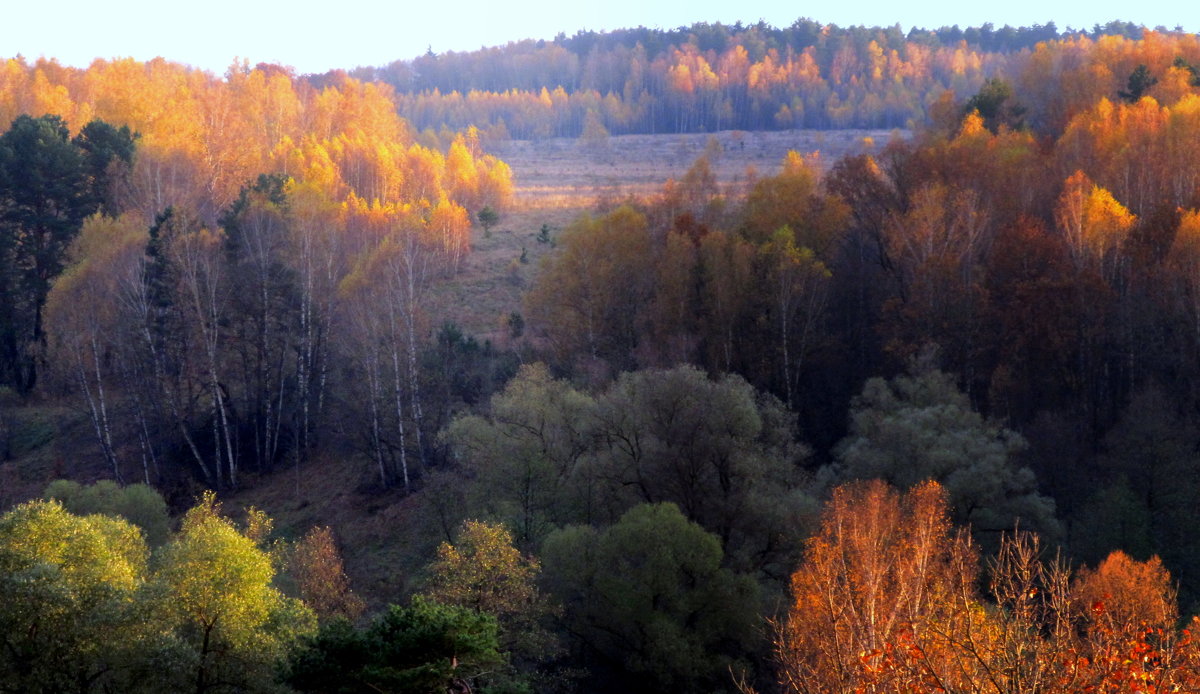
709	77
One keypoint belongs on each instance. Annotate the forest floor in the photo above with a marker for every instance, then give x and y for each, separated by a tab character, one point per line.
555	180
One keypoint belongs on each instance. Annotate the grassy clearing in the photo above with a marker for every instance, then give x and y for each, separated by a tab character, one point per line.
380	533
562	172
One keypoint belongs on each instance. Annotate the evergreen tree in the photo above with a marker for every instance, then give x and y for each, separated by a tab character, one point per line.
48	185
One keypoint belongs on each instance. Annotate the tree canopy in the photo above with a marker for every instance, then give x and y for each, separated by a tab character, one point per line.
920	427
88	610
649	595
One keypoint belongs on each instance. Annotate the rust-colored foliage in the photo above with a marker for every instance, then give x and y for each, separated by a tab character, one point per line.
316	565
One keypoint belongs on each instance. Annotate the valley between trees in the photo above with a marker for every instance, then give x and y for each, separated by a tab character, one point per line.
326	383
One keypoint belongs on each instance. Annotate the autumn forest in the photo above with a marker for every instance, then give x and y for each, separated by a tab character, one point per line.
304	389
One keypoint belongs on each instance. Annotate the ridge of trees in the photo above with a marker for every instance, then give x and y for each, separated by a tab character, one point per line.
710	77
888	593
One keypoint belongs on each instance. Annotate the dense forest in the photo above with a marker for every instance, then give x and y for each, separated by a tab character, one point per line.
920	419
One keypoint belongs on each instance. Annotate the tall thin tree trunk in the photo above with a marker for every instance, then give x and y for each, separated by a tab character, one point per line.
95	401
372	364
414	388
399	401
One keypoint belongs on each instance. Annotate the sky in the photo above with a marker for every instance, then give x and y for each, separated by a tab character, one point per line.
313	37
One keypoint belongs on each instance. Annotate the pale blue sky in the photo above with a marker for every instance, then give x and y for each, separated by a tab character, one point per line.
315	37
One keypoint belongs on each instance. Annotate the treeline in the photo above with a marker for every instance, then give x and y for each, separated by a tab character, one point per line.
887	594
206	247
201	139
717	77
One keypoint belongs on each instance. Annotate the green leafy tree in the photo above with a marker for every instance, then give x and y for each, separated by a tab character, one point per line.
723	453
81	611
649	598
426	648
920	427
68	585
549	455
524	455
229	625
139	504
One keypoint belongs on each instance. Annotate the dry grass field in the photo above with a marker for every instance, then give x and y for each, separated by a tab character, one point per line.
557	179
564	171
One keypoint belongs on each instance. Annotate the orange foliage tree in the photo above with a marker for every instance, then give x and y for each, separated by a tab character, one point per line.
316	564
876	595
886	599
